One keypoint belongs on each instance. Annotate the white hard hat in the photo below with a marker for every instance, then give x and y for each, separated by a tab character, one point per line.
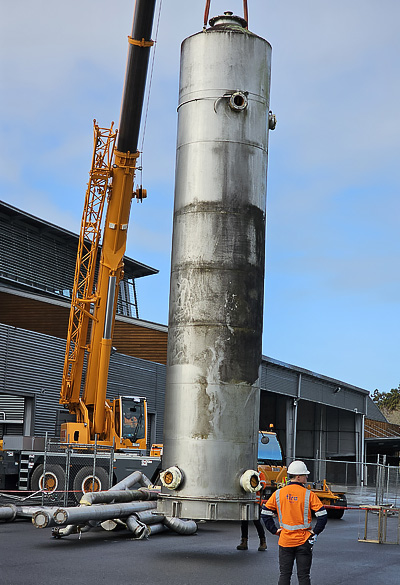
297	468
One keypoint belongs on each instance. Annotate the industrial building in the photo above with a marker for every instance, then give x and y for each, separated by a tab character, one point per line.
315	416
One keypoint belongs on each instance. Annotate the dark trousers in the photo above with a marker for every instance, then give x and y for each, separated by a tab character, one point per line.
259	527
303	556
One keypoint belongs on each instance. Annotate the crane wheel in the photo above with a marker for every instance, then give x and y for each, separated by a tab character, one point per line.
52	481
85	482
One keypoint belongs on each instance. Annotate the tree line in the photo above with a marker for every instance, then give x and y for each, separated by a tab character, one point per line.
387	400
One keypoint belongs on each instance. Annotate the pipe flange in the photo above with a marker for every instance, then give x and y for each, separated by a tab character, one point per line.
60	516
238	101
250	481
171	478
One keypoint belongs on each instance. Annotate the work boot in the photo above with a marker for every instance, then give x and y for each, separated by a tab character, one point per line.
242	545
263	544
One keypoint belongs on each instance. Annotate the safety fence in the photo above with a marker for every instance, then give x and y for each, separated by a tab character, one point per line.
365	483
69	470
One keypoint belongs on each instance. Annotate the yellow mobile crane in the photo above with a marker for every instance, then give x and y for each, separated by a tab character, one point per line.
122	422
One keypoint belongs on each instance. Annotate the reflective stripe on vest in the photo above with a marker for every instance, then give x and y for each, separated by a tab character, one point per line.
305	517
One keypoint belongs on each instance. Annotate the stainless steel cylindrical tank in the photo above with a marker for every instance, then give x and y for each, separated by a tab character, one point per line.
217	273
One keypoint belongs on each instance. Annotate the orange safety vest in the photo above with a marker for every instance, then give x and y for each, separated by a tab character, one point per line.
293	504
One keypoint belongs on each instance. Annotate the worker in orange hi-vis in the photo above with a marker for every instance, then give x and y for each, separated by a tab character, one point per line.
293	504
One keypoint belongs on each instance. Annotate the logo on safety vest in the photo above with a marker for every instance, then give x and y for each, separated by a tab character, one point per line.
291	498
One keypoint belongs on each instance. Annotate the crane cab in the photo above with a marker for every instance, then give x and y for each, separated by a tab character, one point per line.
130	416
125	428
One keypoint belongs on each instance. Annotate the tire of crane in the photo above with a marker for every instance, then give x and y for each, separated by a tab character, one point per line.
53	481
84	478
338	513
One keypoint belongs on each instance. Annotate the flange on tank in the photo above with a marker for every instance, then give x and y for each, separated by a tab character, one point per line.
217	275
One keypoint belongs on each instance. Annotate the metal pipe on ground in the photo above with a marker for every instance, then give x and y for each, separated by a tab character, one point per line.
131	480
180	526
120	496
43	518
8	513
83	514
149	517
59	532
29	511
139	529
155	528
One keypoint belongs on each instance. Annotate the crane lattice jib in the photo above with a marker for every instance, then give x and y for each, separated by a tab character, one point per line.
83	295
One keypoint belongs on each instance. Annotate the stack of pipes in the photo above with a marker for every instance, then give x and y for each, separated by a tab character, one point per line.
120	505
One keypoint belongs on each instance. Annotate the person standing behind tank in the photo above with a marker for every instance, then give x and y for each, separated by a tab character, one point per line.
293	505
244	526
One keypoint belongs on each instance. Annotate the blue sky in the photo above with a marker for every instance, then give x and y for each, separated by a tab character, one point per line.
332	293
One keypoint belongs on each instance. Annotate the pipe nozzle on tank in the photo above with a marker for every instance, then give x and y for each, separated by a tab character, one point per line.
250	481
171	478
271	121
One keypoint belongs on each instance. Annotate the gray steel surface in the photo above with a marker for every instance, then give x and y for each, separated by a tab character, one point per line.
32	557
217	272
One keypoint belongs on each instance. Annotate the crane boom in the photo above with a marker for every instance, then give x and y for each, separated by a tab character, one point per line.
82	292
95	311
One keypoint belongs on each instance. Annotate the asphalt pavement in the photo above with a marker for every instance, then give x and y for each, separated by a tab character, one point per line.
30	556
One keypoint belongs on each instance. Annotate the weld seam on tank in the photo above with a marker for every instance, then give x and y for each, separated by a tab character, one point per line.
216	98
252	144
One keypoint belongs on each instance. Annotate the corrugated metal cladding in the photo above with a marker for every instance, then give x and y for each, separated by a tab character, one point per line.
340	433
11	415
35	257
51	318
33	367
11	409
278	380
284	379
39	256
320	391
31	364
